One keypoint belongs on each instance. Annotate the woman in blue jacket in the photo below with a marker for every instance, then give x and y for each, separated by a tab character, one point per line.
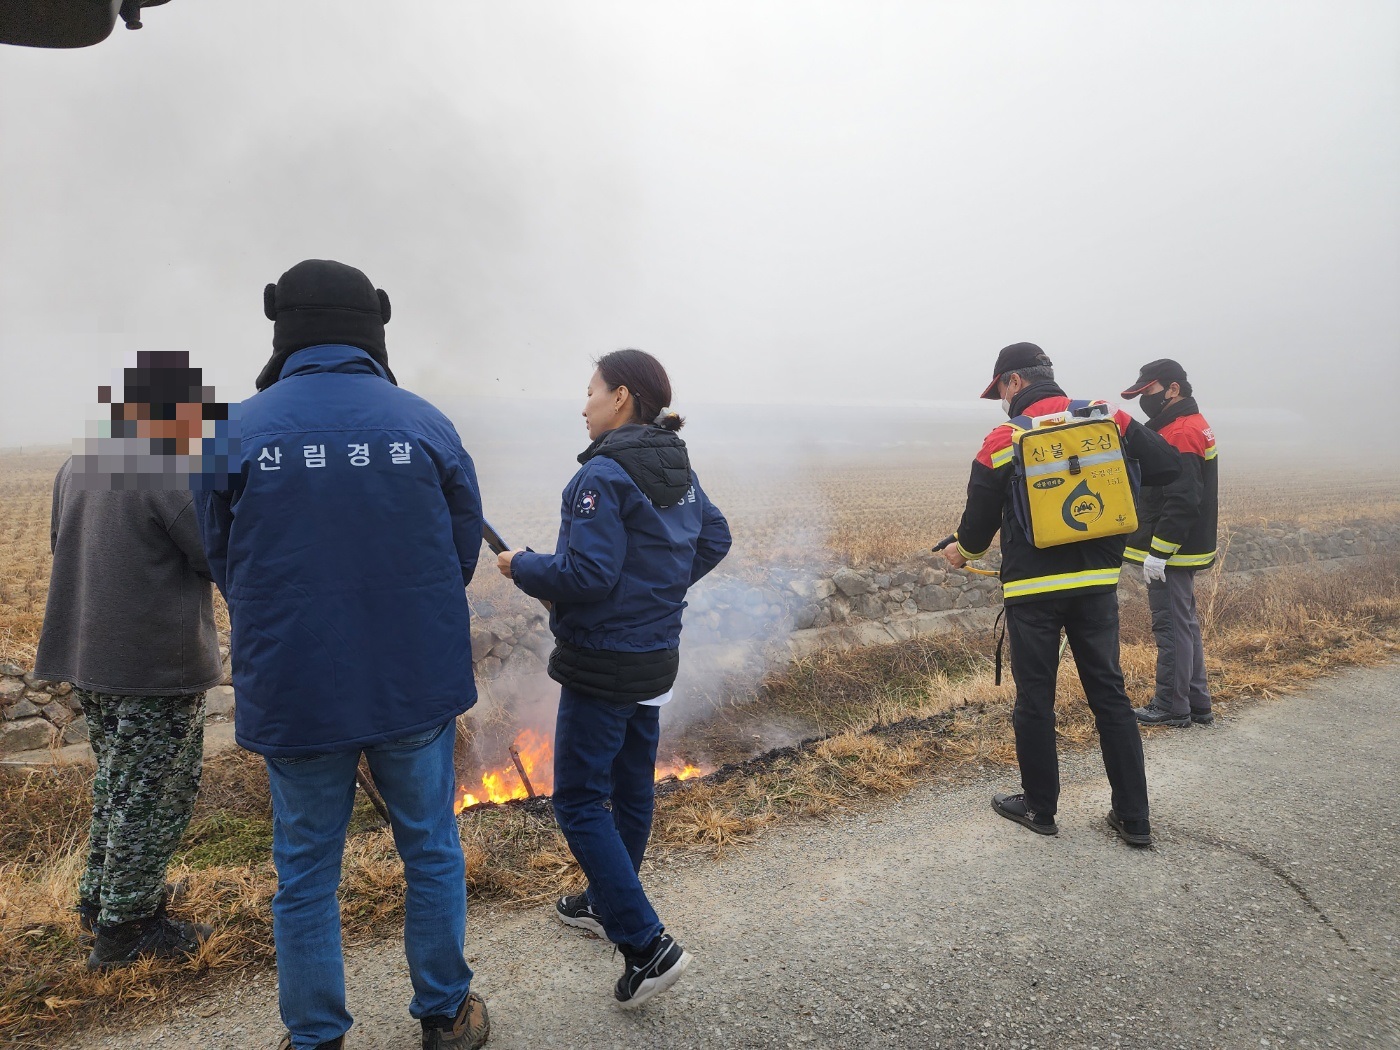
636	532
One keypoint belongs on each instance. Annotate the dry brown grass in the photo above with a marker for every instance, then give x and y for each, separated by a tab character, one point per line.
839	692
874	513
26	488
932	703
864	514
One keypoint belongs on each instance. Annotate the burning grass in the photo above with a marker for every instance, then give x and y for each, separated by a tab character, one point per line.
886	719
528	772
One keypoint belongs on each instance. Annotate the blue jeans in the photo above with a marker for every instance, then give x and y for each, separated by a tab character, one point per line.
607	752
311	802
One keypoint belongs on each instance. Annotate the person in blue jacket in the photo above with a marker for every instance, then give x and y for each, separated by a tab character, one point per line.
343	544
637	531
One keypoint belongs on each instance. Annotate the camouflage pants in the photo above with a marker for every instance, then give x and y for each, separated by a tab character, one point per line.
150	753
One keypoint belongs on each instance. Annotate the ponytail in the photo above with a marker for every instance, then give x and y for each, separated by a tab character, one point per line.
668	419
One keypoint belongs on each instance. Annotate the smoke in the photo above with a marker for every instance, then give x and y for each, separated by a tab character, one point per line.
807	204
769	469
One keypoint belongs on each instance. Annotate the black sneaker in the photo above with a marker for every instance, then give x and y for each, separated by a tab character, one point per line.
1203	718
650	972
1134	832
1013	807
574	910
159	937
1152	715
338	1043
468	1030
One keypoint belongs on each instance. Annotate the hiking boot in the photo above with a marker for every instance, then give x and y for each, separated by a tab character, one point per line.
469	1030
88	910
158	937
338	1043
1013	807
574	910
1203	718
1134	832
1152	715
650	971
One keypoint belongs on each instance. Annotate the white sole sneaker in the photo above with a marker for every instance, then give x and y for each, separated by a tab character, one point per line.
593	926
654	986
580	922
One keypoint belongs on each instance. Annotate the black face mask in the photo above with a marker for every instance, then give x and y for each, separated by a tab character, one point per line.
1153	404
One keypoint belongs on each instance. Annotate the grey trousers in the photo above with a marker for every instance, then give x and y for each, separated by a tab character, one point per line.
1181	659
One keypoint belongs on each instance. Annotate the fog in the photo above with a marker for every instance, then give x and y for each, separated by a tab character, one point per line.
803	204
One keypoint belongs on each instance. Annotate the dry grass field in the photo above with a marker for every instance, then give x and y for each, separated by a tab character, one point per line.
26	490
858	513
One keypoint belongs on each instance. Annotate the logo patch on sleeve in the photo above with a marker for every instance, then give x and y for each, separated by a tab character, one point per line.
587	504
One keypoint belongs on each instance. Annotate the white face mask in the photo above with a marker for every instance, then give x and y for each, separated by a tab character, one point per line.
1011	395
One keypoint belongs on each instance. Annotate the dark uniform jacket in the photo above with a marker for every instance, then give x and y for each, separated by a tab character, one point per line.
343	545
636	532
1030	573
1178	521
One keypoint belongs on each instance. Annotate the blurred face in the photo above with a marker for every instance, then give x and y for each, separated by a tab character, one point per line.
187	427
605	409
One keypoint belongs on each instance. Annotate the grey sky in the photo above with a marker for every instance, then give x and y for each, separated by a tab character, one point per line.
807	201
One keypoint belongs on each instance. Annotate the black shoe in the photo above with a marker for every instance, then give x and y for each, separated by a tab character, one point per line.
650	972
159	937
1203	718
1152	715
468	1030
1134	832
1013	807
338	1043
88	910
574	910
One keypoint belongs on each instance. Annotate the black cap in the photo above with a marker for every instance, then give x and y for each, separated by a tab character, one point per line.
1164	371
321	301
1013	358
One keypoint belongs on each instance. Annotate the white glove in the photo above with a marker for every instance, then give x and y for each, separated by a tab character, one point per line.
1154	568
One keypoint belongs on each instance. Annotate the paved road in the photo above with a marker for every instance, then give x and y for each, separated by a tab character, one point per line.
1265	917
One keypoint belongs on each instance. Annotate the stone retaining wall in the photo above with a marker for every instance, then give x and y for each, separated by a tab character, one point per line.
38	715
738	623
1275	544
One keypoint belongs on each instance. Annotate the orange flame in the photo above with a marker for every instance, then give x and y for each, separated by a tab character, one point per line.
685	772
537	756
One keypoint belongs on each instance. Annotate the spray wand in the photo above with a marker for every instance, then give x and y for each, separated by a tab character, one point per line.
966	568
1001	638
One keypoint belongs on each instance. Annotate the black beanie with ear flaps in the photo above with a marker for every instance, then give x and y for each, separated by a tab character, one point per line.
320	301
